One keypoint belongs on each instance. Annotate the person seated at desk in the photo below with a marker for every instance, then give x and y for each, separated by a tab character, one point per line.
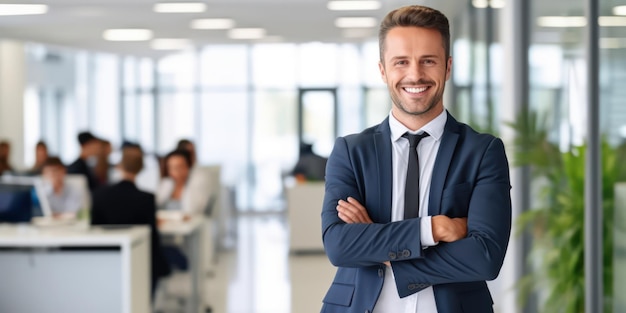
41	155
64	199
89	147
183	189
310	166
124	204
5	152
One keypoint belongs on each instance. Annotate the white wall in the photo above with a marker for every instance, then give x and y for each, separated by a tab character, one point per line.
12	65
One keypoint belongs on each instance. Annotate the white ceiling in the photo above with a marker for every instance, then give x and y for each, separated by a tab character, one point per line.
80	23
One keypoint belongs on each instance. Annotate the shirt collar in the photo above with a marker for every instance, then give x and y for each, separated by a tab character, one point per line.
434	128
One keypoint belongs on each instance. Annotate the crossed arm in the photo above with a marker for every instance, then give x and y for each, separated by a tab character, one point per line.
469	249
445	229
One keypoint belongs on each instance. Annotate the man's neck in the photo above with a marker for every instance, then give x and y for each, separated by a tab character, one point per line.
129	176
416	122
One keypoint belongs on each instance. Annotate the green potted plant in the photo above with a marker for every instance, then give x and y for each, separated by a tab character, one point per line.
556	220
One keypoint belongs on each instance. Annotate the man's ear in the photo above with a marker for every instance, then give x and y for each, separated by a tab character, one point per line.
448	68
381	68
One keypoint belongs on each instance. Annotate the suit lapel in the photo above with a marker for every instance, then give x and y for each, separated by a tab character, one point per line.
442	164
382	147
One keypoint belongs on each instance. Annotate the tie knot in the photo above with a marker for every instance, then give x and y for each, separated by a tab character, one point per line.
414	140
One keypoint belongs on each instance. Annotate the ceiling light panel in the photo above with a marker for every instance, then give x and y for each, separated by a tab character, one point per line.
494	4
179	7
213	23
561	21
619	10
497	4
355	22
128	34
246	33
480	4
353	5
612	21
23	9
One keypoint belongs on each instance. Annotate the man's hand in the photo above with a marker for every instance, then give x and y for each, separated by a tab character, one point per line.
352	212
447	229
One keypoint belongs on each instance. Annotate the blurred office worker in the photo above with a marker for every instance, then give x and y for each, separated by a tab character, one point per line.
5	154
64	198
102	169
189	146
124	204
184	188
310	166
417	211
90	146
41	155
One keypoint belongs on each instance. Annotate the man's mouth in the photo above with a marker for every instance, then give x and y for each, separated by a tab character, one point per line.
415	90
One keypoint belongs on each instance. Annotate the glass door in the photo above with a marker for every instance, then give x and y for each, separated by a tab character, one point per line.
317	119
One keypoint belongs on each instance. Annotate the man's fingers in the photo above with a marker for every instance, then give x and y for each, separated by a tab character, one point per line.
353	212
356	203
350	215
345	218
365	218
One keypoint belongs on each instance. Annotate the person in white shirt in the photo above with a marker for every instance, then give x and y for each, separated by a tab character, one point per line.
185	188
64	199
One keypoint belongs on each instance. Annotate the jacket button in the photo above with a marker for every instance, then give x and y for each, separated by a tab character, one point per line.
406	253
392	255
380	272
412	287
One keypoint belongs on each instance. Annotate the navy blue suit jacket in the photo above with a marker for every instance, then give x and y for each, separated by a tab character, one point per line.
470	179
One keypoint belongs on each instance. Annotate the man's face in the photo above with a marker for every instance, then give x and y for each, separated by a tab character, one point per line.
93	147
415	69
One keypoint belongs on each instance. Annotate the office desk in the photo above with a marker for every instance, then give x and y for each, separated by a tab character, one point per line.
304	204
191	231
74	269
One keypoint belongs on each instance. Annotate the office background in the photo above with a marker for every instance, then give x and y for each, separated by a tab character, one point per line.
249	103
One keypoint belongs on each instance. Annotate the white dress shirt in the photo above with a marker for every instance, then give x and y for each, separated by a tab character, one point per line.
423	301
196	194
70	200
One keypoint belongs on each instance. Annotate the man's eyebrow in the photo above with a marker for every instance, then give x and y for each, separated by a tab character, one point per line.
427	56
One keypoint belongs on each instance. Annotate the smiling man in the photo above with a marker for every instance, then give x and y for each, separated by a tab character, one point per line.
417	210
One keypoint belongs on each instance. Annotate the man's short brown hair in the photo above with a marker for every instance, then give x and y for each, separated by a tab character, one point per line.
132	160
415	16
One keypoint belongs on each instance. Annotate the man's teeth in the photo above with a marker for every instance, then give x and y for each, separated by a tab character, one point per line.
415	90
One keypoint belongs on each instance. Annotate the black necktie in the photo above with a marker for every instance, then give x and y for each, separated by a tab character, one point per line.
412	187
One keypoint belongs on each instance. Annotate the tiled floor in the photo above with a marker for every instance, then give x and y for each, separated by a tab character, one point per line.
260	276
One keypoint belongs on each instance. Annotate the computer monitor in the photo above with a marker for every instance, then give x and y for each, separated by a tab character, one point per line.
16	202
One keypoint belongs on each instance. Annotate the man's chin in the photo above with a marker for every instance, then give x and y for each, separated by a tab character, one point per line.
416	111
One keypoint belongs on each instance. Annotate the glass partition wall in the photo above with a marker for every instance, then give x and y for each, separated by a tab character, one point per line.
612	74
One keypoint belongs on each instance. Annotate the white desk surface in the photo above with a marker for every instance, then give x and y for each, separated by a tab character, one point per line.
174	227
80	234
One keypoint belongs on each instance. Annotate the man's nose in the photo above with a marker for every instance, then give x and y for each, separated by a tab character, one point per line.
416	71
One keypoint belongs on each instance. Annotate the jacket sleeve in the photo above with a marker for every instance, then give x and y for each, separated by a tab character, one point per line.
96	215
480	255
361	245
